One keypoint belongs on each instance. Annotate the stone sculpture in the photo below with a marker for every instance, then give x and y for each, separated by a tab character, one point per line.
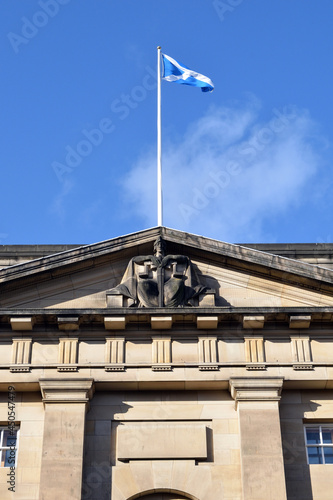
158	280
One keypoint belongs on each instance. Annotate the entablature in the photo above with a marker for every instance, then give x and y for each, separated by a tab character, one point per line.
182	320
285	341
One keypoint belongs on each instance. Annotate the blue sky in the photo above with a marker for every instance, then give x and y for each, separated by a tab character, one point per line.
250	162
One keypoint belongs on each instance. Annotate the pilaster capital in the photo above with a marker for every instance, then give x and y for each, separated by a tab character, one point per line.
67	390
256	388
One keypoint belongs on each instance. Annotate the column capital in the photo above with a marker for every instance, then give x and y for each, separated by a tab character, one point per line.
65	403
66	390
256	388
262	466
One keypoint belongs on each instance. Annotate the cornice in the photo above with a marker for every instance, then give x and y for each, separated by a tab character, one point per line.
240	257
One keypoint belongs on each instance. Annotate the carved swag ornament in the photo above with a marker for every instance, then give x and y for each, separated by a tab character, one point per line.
159	280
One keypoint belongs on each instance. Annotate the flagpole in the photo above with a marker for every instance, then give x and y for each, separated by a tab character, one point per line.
159	142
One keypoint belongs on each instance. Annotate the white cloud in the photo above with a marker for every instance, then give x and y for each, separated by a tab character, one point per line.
230	173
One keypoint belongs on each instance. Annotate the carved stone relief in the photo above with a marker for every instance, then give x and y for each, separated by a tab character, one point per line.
159	280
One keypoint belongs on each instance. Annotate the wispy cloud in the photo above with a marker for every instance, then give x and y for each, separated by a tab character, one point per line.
230	172
58	205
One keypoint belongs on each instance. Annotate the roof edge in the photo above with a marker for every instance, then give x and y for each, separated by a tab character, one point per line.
228	250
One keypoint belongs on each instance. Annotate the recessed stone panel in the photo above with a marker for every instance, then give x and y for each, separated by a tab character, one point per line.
165	440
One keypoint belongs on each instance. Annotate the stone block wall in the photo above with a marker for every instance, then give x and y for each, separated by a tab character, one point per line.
30	416
297	408
132	432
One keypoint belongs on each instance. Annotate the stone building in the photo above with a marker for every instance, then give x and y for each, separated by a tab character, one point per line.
165	366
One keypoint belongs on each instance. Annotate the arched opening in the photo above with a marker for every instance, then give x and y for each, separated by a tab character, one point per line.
163	496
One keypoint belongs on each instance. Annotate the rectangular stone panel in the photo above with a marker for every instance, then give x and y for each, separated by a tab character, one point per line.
114	349
254	350
163	440
68	350
161	349
207	349
300	347
21	351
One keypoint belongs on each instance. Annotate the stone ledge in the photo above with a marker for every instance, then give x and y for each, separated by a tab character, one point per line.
66	323
208	368
256	366
161	368
256	389
299	321
68	368
66	390
207	322
22	324
134	315
115	368
253	322
19	368
115	322
303	366
161	322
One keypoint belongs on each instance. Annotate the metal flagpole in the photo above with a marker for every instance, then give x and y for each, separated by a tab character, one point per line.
159	142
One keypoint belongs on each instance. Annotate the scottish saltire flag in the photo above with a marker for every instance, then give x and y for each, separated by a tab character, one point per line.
173	71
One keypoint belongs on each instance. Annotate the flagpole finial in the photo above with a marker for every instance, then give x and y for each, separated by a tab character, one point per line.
158	47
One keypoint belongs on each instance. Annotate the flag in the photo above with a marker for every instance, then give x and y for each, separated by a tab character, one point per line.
173	71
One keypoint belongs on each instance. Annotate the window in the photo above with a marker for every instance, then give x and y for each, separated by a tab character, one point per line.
8	446
319	443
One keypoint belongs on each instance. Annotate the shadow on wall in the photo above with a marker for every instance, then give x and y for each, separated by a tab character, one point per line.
99	449
213	284
297	470
124	439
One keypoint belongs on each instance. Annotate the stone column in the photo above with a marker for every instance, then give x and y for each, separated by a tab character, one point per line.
65	403
257	403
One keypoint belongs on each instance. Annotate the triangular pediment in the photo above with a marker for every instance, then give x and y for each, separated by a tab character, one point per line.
239	277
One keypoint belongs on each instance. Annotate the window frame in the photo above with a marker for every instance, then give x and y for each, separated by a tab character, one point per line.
321	445
3	448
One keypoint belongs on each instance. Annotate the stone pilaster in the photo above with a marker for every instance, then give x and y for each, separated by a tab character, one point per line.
114	353
68	348
21	355
257	403
254	353
161	353
207	350
65	403
301	352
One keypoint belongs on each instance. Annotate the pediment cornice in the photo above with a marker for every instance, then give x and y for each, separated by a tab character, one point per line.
204	249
